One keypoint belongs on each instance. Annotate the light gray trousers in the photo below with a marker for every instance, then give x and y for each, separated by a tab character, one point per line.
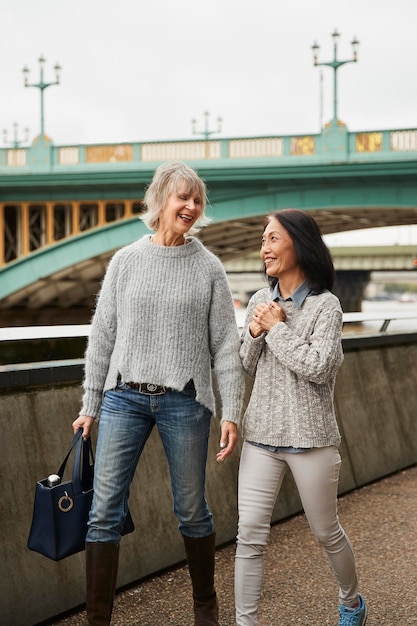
316	474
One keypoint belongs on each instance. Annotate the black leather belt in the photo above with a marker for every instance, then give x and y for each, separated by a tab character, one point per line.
149	388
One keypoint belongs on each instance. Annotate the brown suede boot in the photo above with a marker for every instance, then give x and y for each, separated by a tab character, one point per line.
200	557
101	572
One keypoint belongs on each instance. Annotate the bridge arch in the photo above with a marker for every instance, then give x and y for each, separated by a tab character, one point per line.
342	197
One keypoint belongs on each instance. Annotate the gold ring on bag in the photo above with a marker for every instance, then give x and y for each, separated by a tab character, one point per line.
65	498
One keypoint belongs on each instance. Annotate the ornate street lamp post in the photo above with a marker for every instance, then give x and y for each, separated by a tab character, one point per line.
206	132
335	64
41	85
15	143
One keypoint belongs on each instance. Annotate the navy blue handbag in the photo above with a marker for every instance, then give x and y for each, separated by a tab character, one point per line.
60	512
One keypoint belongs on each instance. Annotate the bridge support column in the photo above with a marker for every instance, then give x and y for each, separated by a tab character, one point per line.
350	288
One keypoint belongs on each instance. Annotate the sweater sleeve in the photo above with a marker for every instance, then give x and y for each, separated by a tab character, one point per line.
251	347
224	348
316	359
101	342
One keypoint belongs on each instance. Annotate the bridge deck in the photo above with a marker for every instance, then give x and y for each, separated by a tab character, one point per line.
380	520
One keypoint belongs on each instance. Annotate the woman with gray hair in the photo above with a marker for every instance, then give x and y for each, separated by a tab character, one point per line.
164	318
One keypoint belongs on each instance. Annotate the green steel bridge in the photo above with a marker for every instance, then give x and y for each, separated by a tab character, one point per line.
65	209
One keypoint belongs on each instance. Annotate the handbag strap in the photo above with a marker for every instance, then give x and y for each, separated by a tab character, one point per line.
83	469
74	441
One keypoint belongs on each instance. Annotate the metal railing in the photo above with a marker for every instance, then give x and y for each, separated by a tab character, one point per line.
385	318
22	333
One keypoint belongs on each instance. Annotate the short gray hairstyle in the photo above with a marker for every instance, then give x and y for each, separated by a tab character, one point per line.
167	179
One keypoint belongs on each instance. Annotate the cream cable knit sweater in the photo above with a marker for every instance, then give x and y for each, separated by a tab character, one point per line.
294	366
165	315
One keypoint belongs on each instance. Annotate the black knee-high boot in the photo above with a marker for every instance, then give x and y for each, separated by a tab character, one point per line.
200	558
101	572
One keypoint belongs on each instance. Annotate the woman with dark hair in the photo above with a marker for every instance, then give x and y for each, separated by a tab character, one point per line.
291	346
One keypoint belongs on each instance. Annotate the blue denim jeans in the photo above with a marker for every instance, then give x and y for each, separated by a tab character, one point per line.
126	421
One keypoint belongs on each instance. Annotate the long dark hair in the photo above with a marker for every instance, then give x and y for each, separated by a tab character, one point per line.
312	253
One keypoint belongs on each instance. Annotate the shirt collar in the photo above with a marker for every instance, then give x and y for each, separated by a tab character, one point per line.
298	296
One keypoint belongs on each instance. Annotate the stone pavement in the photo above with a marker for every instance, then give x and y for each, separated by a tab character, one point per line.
299	588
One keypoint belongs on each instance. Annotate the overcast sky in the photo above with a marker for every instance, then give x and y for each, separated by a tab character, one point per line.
140	70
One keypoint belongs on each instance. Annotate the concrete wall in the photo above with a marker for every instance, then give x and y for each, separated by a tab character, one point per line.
376	399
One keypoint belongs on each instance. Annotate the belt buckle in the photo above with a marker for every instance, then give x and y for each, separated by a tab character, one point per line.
152	390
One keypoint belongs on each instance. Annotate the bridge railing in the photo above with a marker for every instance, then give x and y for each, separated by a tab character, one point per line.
398	143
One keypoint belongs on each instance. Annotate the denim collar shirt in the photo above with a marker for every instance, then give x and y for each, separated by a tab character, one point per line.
298	296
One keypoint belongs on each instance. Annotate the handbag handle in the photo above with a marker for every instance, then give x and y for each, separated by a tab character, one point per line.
83	470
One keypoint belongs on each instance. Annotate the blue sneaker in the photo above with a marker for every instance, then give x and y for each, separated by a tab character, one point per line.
353	617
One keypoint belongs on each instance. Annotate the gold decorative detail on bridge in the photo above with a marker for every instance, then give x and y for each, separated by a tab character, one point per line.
109	154
302	146
186	150
69	156
26	227
16	158
369	142
403	140
255	148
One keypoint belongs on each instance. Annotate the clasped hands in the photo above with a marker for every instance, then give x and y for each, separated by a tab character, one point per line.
265	316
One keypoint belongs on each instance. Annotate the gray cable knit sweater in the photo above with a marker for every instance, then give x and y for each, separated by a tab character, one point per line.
165	315
294	366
